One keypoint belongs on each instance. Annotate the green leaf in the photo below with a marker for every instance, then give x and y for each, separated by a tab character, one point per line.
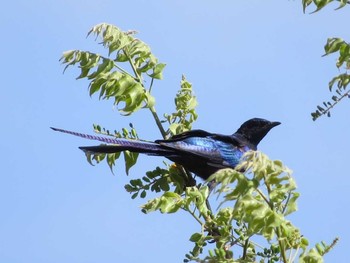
292	204
311	257
342	4
169	202
143	194
196	237
306	3
111	158
130	160
333	45
158	71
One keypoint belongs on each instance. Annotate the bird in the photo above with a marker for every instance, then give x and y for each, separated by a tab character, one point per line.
198	151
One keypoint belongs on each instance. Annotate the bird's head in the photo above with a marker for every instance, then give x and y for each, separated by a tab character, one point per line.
254	130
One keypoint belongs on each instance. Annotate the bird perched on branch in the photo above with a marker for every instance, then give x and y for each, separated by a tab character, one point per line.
200	152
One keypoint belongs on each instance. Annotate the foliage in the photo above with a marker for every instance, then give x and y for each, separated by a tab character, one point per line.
340	82
333	45
322	3
158	180
253	205
108	78
111	81
185	102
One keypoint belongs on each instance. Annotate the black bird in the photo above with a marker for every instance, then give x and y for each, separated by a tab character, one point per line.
198	151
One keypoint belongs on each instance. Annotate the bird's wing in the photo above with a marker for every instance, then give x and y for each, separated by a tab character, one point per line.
217	150
236	140
231	139
187	134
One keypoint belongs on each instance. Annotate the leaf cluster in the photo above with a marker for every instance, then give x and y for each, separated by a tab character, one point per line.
339	84
105	75
333	45
320	4
158	180
185	103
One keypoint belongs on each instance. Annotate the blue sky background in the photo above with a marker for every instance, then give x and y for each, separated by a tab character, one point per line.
244	58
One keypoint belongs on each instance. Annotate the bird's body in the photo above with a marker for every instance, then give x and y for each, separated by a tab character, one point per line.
198	151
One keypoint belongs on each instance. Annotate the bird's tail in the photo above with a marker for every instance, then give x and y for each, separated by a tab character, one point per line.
118	144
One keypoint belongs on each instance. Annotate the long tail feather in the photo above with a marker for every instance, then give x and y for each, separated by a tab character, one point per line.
120	148
118	145
90	137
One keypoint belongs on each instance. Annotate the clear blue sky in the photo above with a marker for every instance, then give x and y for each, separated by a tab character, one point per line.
244	58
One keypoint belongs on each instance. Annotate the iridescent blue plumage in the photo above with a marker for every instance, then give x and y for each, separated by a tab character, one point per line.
198	151
227	153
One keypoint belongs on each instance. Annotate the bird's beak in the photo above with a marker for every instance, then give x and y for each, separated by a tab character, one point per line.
274	124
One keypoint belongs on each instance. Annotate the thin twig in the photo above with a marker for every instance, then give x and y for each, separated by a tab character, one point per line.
281	244
295	254
286	205
263	196
158	122
347	94
123	71
137	75
331	246
245	248
194	215
150	86
278	229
